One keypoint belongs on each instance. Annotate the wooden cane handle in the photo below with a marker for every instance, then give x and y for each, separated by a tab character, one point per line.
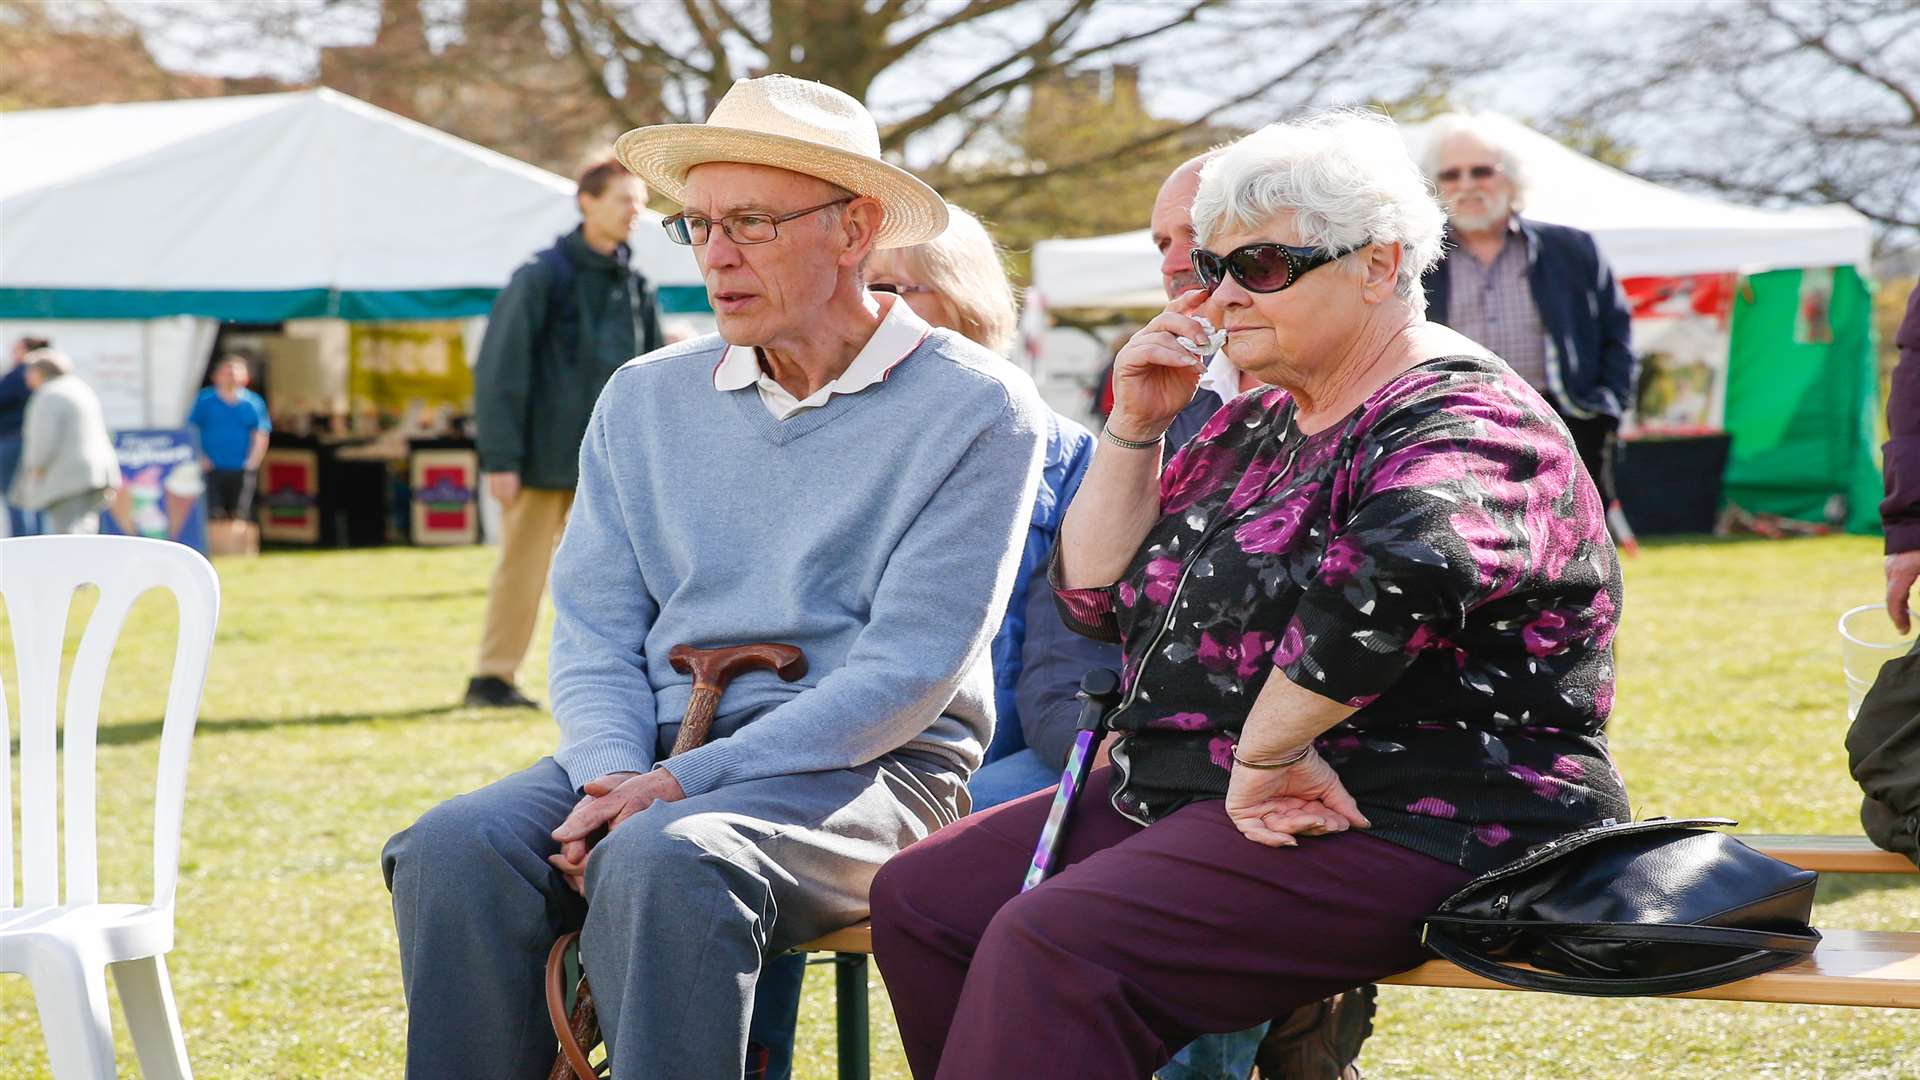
713	669
716	667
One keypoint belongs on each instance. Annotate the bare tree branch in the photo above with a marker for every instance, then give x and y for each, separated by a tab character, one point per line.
726	16
1820	43
592	68
1044	63
1335	44
977	9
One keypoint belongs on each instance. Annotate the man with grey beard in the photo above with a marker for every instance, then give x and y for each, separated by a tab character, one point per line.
1541	297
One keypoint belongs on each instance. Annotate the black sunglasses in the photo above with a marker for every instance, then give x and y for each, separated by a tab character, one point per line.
1478	172
1261	268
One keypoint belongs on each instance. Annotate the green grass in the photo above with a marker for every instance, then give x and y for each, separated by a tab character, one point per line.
328	725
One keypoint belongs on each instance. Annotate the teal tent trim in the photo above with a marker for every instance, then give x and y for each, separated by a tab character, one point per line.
232	306
684	299
279	305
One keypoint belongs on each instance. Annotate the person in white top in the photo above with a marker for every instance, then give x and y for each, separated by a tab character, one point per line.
68	468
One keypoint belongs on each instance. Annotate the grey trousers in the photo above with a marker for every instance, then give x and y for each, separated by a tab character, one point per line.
684	902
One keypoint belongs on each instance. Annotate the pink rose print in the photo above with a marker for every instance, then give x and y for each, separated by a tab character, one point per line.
1492	834
1292	644
1241	654
1126	593
1276	529
1541	786
1218	423
1162	574
1340	563
1193	474
1550	632
1432	807
1220	749
1185	721
1424	637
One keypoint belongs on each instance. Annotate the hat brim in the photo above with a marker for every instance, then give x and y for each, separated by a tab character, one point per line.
662	156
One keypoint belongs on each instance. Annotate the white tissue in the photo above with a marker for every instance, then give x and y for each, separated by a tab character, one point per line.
1203	350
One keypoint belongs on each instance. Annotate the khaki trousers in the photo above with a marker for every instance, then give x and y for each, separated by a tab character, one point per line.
530	529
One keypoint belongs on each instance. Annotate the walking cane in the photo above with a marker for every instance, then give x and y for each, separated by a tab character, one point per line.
1099	693
712	670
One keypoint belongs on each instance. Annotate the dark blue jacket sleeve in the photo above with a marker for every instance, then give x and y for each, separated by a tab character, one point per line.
1617	362
1053	660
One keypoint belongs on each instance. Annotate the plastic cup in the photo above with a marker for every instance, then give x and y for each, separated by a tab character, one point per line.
1867	640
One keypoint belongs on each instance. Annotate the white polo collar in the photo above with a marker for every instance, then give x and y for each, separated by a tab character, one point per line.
900	332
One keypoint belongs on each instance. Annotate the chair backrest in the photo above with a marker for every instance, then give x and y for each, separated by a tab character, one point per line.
38	577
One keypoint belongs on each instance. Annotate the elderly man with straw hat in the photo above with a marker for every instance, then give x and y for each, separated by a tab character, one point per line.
827	471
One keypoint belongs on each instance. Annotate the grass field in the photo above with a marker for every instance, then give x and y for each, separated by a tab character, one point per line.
329	724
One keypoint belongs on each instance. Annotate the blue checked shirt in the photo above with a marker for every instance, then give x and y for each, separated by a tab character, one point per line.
1494	306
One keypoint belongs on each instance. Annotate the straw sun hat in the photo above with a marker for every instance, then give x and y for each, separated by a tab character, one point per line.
793	124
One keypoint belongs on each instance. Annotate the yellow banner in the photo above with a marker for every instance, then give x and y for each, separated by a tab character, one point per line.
394	364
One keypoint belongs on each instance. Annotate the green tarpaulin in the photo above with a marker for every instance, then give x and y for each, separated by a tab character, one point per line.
1801	397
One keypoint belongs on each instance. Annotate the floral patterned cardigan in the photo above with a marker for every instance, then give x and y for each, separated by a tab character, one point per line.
1436	559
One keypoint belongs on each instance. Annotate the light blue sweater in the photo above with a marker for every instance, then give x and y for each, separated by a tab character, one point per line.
879	532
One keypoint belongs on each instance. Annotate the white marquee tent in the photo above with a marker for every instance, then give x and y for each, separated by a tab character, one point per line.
147	223
1644	230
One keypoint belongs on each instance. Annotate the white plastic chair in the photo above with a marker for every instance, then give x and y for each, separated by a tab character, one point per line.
64	946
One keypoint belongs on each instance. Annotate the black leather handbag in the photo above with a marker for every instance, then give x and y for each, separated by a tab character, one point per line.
1660	906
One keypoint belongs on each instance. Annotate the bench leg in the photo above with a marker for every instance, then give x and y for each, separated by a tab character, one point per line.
850	1003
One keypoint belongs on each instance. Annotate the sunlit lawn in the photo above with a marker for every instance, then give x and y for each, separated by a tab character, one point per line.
329	723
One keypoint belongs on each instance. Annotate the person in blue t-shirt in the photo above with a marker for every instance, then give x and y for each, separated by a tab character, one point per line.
231	423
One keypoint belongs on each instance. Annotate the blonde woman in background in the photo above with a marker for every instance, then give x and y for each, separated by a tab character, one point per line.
959	282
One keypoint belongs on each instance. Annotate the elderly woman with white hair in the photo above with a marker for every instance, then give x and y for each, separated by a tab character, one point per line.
1367	619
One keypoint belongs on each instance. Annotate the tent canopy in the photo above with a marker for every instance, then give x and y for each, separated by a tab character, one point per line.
272	207
1642	228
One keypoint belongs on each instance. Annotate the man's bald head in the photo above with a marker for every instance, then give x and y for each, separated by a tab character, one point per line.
1172	226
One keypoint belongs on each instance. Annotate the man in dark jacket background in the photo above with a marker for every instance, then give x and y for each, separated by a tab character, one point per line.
13	413
1540	296
567	319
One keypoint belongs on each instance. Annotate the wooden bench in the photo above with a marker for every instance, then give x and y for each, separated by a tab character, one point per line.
1851	967
1833	854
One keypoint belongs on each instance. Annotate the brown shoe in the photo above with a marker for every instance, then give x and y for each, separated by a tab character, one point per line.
1320	1041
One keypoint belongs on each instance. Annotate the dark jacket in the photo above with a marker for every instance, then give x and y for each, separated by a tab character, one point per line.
1188	421
1590	361
1900	513
13	401
545	358
1883	752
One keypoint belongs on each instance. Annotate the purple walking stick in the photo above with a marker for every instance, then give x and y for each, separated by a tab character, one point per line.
1099	693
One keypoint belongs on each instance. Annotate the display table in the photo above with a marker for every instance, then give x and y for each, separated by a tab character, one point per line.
368	492
1670	483
314	492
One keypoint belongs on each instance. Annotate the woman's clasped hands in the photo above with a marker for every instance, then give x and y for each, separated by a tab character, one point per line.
1277	806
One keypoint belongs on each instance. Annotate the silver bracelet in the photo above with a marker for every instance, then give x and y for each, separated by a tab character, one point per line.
1294	758
1131	444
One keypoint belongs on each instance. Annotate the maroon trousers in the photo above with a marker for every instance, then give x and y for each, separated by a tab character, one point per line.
1146	938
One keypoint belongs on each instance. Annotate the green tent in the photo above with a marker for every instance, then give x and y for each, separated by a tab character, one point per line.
1801	398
